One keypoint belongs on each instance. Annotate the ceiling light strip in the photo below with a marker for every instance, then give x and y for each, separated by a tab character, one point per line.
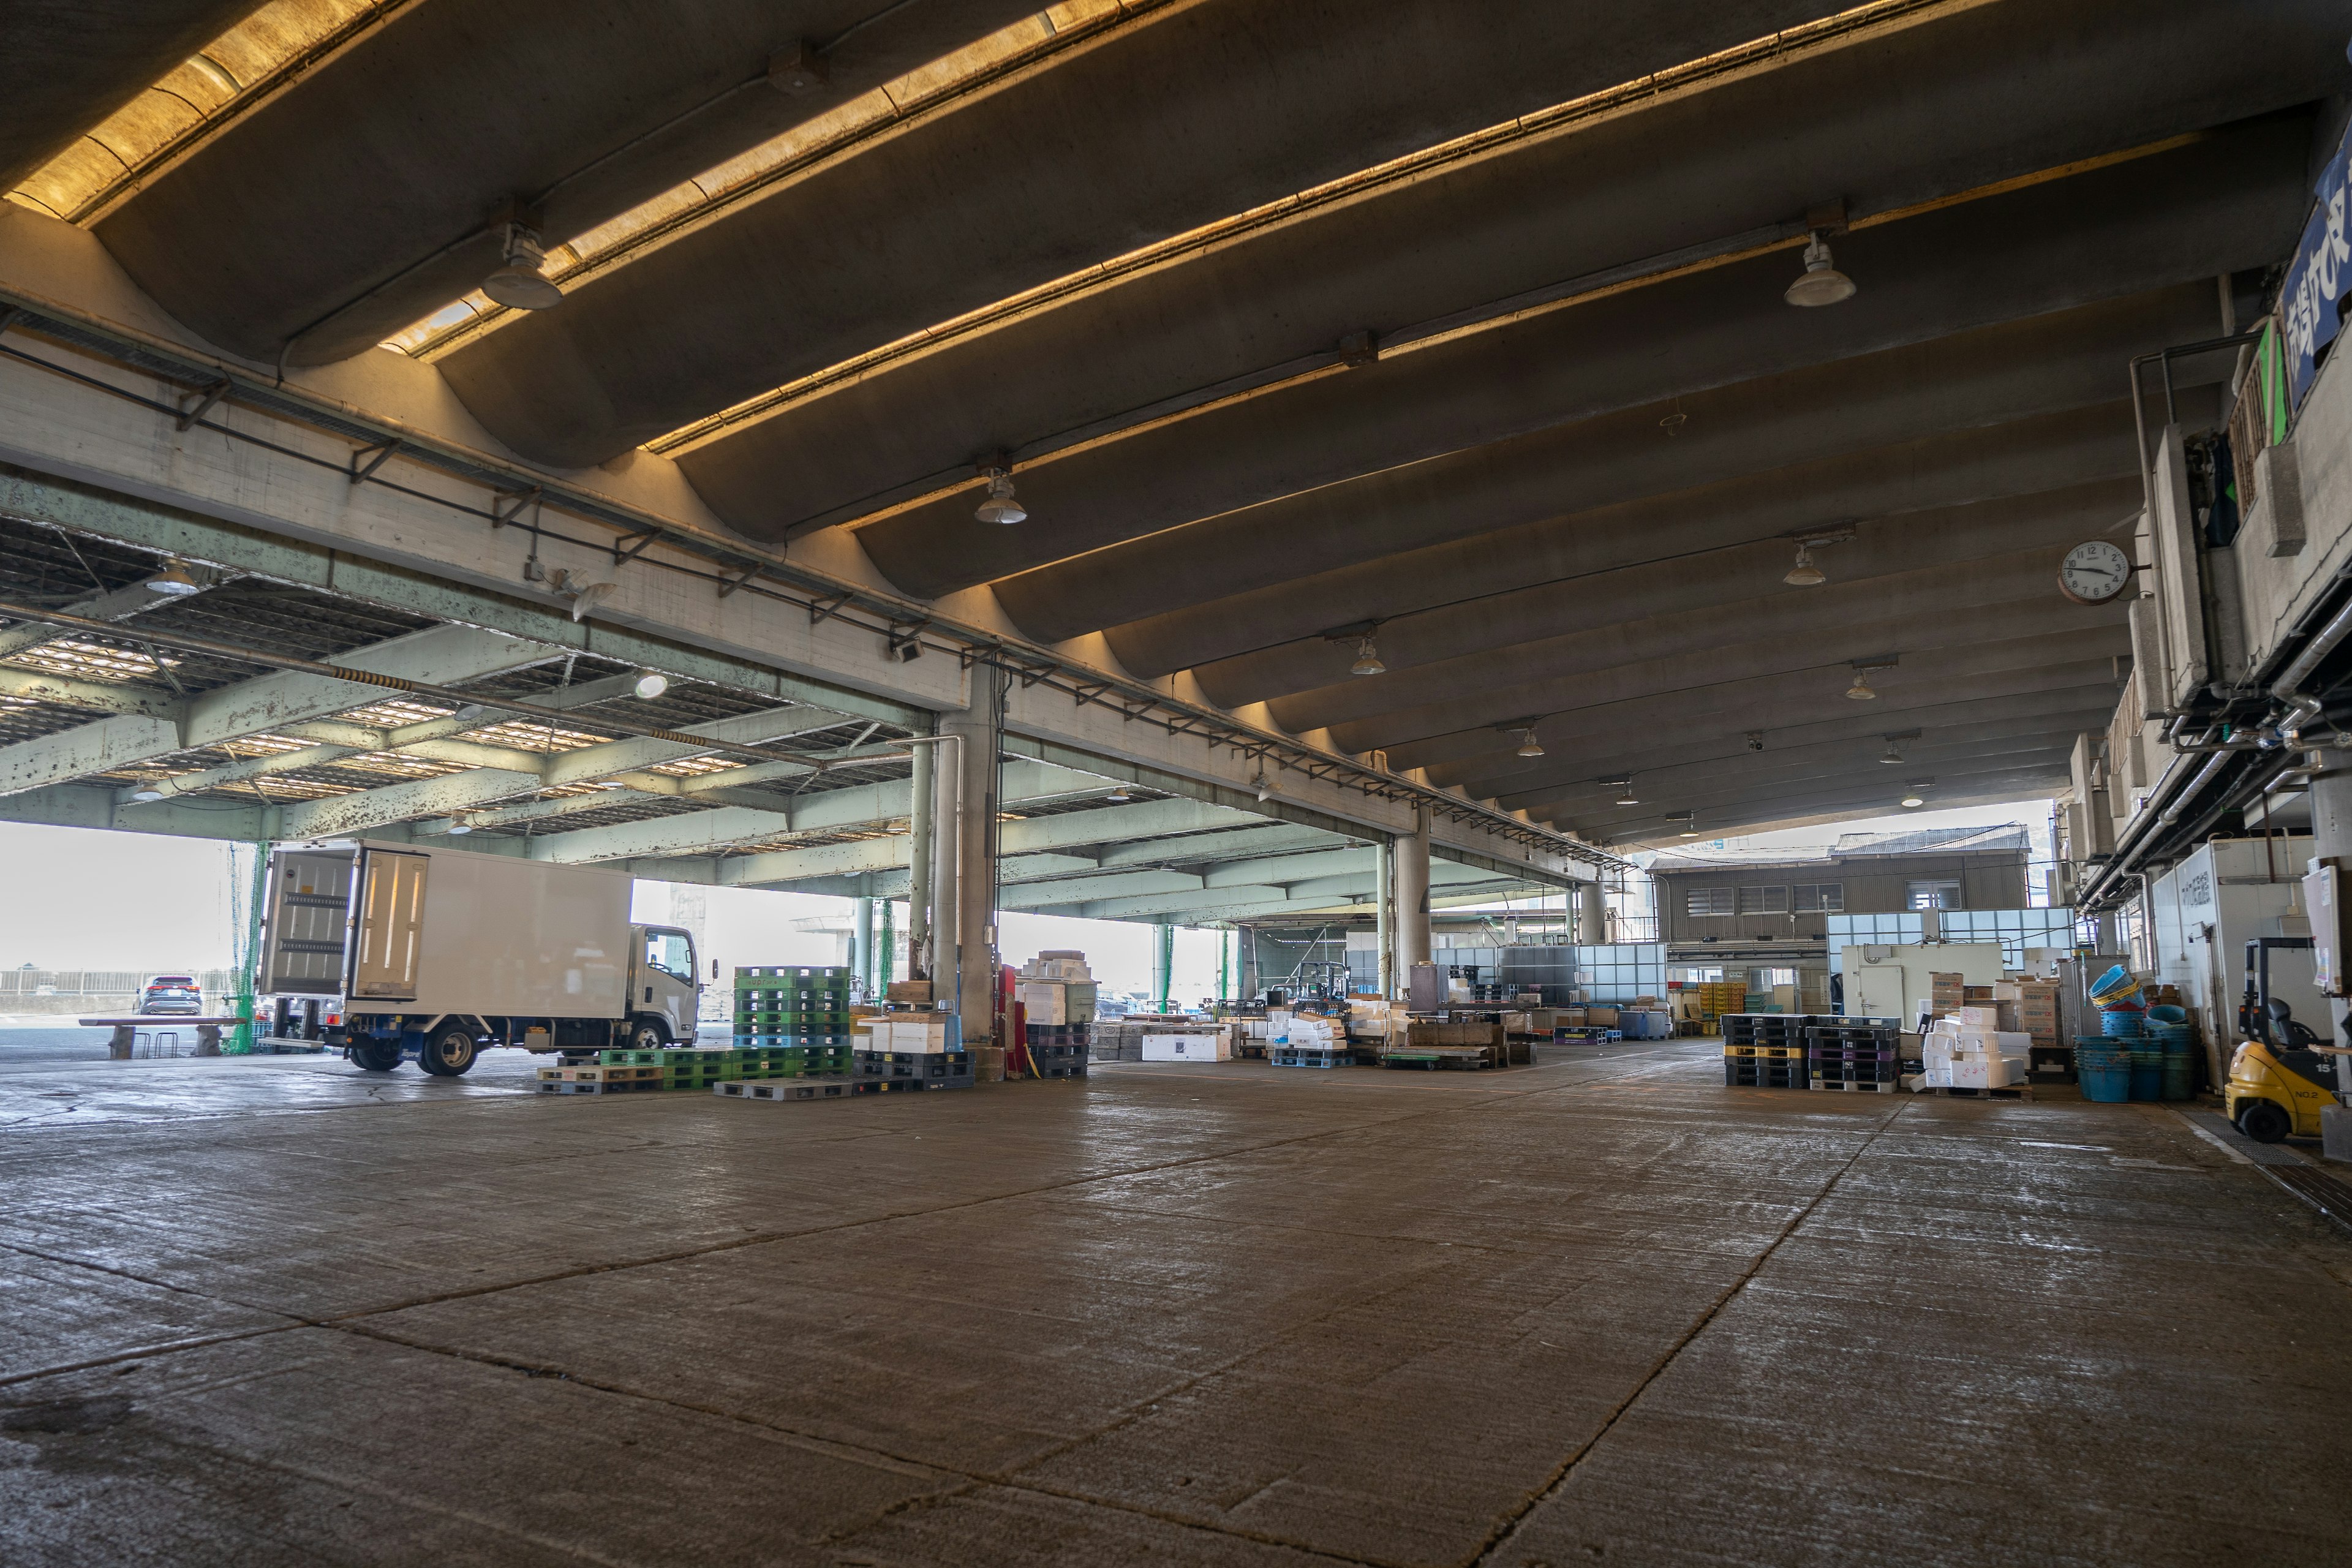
1642	92
287	39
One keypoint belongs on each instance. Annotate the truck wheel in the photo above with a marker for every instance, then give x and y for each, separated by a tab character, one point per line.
448	1053
2264	1121
648	1036
373	1056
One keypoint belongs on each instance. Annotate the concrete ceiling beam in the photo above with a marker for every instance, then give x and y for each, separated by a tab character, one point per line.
2230	201
877	245
1537	789
1171	597
1708	679
625	103
1926	587
1663	788
441	655
1710	559
1999	786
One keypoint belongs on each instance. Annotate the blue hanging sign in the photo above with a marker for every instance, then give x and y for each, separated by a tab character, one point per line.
2318	278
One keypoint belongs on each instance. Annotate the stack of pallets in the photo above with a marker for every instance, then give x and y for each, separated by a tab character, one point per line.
1331	1056
1842	1054
1764	1050
694	1067
879	1072
786	1006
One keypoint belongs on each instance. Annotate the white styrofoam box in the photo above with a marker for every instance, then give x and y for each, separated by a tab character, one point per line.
1200	1047
1986	1072
1043	1001
1979	1017
915	1035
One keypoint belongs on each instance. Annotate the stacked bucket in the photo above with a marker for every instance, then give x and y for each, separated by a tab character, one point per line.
2106	1064
2139	1053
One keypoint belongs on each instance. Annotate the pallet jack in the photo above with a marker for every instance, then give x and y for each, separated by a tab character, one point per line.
2281	1075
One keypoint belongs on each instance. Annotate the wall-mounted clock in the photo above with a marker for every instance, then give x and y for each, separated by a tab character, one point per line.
2095	572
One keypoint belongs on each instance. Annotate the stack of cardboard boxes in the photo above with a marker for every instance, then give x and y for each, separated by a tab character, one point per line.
1968	1049
1056	988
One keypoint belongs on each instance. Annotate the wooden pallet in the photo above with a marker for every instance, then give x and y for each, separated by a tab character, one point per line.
2015	1091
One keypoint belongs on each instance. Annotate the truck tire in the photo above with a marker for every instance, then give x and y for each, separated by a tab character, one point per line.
645	1034
372	1055
448	1053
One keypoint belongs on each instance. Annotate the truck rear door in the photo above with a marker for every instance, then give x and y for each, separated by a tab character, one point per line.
388	924
307	927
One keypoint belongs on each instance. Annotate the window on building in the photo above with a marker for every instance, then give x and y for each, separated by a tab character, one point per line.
1934	894
1763	900
1707	902
1820	898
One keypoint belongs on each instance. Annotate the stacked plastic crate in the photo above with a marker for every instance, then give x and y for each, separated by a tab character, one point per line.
1765	1050
1854	1054
799	1009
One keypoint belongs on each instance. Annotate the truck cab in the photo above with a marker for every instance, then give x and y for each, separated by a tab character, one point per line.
662	987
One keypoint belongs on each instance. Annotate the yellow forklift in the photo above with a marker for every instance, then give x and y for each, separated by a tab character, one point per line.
2281	1075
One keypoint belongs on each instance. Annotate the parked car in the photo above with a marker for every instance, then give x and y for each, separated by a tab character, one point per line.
171	994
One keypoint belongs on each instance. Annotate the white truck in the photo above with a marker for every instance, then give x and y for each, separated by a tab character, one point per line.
397	951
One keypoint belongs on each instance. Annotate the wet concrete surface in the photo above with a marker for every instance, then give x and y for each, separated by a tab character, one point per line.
273	1310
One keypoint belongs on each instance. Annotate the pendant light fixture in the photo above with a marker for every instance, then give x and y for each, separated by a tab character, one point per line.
1368	659
1893	755
1260	785
1863	668
1118	795
458	825
1915	792
175	582
522	284
651	683
1804	574
1821	283
1624	788
1000	506
1529	745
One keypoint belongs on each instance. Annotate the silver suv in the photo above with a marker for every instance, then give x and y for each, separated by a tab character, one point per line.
171	994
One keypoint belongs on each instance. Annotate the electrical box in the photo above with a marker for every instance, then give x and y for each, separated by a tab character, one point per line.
2323	903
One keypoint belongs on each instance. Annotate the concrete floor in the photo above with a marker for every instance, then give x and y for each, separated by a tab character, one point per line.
1600	1310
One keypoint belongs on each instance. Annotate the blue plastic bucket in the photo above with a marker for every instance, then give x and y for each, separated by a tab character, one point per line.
2120	1021
2146	1082
2114	985
2109	1085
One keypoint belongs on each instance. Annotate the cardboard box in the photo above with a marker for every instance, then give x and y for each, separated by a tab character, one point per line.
1600	1017
1978	1016
917	992
1043	1001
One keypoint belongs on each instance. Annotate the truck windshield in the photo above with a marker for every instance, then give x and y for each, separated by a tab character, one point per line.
672	952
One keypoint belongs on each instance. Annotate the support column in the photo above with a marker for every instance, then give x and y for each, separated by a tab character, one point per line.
1409	882
1592	915
1384	980
1245	936
921	852
863	964
1163	958
2331	838
973	875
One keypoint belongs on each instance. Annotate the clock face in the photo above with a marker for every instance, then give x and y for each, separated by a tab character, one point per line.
2093	574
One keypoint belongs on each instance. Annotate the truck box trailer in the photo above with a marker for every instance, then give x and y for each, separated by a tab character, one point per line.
395	951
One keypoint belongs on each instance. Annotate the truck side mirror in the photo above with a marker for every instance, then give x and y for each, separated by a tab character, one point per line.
714	969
